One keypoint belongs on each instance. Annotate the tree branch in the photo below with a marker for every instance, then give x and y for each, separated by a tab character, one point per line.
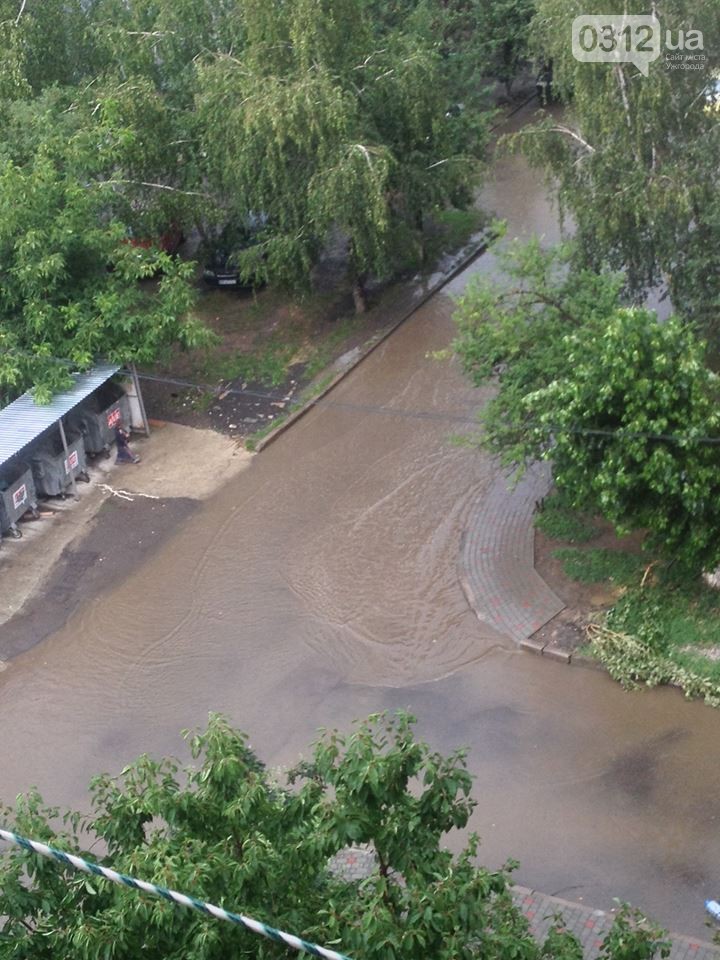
155	186
150	33
560	128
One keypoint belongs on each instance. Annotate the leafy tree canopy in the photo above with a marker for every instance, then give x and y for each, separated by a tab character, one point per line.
227	831
634	157
321	123
623	405
70	282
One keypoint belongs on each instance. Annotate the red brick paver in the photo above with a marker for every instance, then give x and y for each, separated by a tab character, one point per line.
591	926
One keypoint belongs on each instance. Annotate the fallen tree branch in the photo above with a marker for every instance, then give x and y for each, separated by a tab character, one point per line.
126	494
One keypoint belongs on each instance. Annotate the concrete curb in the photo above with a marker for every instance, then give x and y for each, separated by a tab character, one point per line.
462	262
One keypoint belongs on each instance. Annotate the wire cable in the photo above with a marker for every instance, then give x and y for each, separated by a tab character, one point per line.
209	909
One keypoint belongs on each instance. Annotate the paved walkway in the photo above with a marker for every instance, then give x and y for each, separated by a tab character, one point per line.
589	926
497	558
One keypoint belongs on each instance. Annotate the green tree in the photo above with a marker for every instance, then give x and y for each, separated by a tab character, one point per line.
477	39
321	123
634	158
70	282
624	406
48	42
503	31
226	831
516	328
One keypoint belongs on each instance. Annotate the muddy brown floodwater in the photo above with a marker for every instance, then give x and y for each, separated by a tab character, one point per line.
321	585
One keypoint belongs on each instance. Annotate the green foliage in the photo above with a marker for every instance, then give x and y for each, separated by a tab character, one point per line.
595	566
662	223
633	937
123	120
71	283
45	43
666	632
559	521
73	287
518	328
624	395
504	26
323	125
224	830
670	616
621	404
634	663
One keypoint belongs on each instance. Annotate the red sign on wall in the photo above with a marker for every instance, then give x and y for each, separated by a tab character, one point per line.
20	496
72	460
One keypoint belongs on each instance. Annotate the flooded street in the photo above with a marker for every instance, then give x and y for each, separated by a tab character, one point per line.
321	585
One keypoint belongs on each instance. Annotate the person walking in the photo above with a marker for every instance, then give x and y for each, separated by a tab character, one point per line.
122	441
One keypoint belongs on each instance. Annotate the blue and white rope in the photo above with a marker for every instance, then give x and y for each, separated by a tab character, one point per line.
297	943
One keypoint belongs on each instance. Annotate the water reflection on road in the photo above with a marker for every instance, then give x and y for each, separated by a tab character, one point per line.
321	585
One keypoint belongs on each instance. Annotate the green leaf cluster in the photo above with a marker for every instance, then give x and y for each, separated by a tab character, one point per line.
633	158
321	121
624	406
223	829
322	124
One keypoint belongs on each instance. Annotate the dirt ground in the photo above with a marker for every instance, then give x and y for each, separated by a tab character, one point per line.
583	601
266	342
78	546
281	343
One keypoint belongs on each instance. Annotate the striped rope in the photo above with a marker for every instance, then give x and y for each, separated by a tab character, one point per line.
297	943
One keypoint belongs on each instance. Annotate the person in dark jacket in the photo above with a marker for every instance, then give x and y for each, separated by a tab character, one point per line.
122	441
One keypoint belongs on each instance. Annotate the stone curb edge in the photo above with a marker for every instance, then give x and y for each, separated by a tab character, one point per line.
476	250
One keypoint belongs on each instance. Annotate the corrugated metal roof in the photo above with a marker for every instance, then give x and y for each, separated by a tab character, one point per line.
23	419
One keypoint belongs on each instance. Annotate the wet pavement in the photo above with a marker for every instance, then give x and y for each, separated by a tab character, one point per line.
321	585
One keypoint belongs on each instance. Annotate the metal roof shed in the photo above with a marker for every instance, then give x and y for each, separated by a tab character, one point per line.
23	420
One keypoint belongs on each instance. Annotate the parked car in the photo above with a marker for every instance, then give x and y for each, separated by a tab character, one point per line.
221	268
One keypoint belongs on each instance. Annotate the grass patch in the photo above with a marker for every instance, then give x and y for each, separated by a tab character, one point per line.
596	566
273	336
323	353
267	363
261	336
559	522
670	618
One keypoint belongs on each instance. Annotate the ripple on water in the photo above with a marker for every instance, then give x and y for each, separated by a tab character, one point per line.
379	574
